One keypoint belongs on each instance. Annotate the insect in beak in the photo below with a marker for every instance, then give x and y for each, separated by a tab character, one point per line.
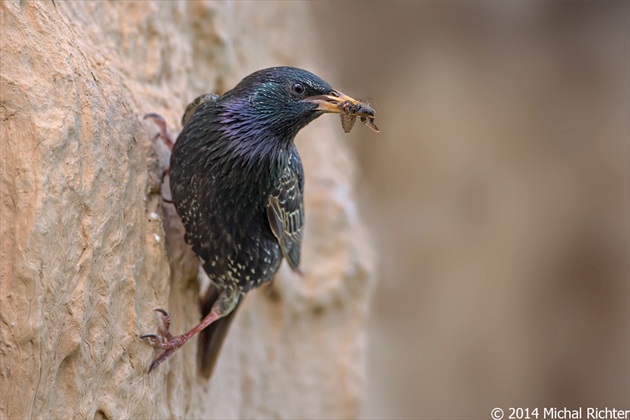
349	108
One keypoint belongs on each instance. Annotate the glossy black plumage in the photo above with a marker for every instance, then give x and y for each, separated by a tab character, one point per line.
237	182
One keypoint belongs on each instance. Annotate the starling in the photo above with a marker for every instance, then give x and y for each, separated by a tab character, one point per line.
237	182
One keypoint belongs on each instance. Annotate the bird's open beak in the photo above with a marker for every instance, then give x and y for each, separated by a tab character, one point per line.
335	102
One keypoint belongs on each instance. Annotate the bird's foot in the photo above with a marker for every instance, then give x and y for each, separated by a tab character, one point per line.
169	347
163	133
164	340
164	325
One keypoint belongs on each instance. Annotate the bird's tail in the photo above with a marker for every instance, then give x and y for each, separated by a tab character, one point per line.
211	338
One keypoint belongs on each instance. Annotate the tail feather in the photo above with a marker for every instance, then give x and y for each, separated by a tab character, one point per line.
212	337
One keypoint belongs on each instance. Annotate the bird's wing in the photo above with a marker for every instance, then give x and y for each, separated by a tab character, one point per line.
285	211
194	105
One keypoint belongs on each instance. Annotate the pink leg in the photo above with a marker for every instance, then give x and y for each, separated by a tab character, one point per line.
225	303
164	134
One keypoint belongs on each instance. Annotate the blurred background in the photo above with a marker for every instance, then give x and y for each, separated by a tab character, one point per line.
497	192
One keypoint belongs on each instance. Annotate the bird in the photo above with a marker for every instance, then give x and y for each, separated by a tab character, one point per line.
237	182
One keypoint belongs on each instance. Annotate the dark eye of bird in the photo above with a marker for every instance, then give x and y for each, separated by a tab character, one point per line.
298	89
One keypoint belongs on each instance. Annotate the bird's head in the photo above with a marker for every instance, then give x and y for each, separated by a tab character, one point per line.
282	100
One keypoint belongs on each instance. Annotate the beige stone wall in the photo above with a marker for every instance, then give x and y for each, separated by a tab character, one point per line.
88	250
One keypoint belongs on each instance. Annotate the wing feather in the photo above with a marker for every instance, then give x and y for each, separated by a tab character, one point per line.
285	211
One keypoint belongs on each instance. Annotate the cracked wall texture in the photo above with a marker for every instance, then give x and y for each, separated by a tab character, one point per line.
88	250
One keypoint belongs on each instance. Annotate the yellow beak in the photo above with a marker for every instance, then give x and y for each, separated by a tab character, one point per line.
336	103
